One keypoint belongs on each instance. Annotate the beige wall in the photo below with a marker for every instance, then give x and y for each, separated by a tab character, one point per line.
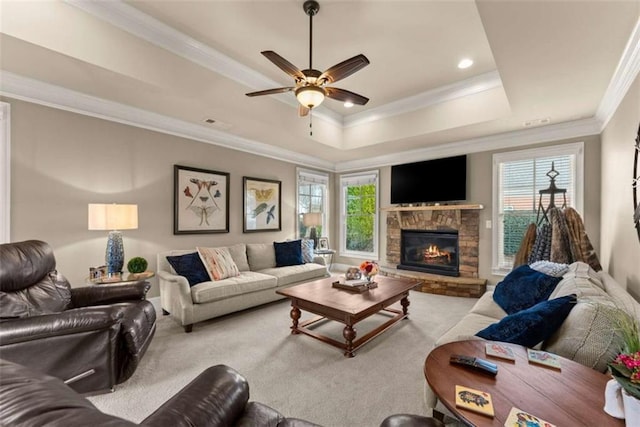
620	248
61	161
479	190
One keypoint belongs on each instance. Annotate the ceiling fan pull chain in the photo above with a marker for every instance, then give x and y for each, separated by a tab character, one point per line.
310	123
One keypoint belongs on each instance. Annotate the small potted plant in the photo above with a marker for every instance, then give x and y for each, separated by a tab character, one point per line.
625	368
137	265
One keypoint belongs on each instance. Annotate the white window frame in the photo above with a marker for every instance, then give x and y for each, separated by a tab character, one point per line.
345	180
308	175
5	174
576	149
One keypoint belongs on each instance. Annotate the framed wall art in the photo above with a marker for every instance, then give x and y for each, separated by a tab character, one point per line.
200	201
262	205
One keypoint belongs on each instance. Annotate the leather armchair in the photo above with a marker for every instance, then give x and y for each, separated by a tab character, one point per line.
91	337
219	396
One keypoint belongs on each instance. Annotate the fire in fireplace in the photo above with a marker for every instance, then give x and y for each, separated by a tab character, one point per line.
430	251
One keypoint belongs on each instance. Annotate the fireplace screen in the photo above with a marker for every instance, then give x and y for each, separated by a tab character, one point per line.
430	251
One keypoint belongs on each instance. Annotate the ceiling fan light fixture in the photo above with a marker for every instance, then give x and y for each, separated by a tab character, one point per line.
348	104
310	96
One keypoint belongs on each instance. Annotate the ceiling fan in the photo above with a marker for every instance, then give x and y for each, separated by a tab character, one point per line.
310	84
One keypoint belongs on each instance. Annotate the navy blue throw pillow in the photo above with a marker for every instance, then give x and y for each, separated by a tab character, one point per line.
191	267
288	253
533	325
524	287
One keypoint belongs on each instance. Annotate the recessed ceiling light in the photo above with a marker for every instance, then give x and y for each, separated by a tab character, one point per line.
465	63
348	104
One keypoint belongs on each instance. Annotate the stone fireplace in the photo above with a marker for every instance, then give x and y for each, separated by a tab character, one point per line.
442	221
430	251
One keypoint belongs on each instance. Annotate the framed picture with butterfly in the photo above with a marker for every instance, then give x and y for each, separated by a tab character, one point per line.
200	201
262	205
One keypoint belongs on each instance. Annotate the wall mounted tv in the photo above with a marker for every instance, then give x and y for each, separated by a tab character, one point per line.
439	180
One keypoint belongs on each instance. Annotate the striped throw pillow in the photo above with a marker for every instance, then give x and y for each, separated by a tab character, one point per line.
218	263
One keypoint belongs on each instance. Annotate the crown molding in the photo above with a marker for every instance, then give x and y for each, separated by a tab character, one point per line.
556	132
133	21
622	79
438	95
31	90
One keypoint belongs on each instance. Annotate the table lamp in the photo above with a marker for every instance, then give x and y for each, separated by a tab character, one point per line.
113	217
312	219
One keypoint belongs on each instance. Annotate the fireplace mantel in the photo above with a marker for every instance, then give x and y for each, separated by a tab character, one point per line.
432	208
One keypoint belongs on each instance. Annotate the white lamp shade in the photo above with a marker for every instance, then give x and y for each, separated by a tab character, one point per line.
312	219
310	96
113	217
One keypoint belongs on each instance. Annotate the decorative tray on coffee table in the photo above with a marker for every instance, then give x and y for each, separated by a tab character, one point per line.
355	288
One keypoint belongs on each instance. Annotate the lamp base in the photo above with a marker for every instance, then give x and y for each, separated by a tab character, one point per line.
114	257
313	236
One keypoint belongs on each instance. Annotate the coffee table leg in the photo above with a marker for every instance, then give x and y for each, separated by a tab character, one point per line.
295	315
349	334
405	305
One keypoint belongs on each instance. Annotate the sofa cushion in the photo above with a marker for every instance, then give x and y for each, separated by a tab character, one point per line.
522	288
218	263
488	307
239	254
190	266
261	256
586	336
533	325
247	281
288	253
296	273
307	250
466	328
581	280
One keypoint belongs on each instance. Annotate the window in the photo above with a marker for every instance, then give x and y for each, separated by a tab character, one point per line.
518	177
359	218
312	197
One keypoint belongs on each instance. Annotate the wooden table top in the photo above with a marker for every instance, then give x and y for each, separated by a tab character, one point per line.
572	396
321	292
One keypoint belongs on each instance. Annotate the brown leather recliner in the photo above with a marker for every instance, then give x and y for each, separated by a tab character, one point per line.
218	397
91	337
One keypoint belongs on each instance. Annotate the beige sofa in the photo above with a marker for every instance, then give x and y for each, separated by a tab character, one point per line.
586	334
257	284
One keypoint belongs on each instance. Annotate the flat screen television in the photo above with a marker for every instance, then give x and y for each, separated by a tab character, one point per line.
438	180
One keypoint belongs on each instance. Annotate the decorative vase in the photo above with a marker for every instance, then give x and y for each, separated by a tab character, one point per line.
631	410
613	404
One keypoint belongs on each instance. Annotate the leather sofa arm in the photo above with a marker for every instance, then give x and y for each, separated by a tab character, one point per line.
58	324
108	294
216	397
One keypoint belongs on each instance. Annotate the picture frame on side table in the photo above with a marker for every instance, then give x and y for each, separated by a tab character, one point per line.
323	243
200	201
262	205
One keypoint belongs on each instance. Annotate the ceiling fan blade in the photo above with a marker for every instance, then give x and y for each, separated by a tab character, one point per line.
302	111
344	69
271	91
283	64
345	95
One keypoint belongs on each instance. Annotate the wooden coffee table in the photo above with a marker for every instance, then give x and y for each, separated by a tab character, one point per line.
573	396
346	307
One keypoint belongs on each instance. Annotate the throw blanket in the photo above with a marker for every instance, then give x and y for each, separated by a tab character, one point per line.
563	241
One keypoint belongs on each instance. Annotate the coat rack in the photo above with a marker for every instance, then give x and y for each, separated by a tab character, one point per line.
542	214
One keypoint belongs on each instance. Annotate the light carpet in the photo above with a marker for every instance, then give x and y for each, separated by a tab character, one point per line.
297	375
